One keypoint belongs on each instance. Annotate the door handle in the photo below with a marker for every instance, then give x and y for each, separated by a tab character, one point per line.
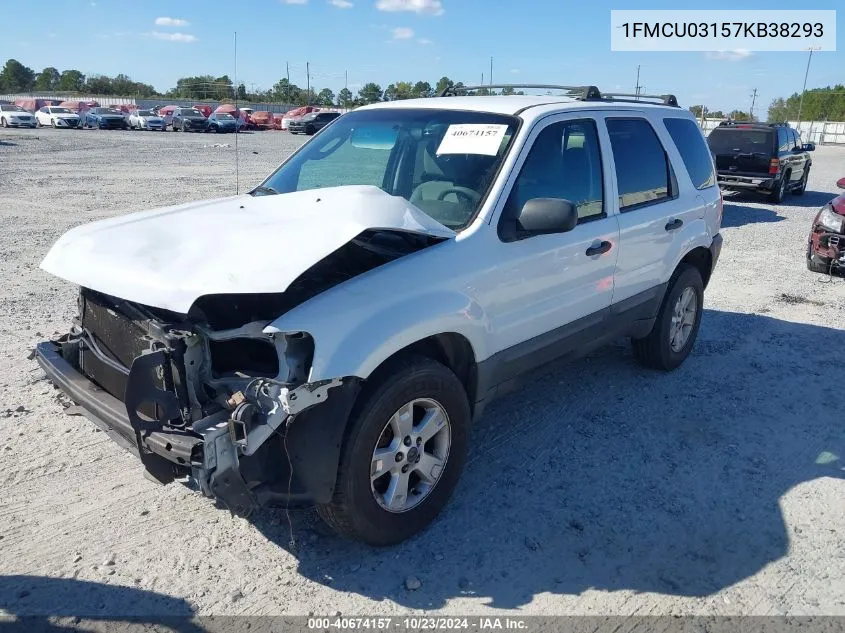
674	224
599	249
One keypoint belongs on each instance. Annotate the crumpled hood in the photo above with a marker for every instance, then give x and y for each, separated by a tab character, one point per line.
170	257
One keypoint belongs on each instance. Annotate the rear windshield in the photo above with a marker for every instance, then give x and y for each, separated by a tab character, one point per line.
746	141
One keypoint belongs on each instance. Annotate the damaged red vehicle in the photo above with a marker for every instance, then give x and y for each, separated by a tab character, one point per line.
826	245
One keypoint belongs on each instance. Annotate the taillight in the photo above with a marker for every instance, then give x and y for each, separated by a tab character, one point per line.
774	166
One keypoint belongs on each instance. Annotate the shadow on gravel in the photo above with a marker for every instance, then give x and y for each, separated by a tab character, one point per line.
32	599
602	475
739	215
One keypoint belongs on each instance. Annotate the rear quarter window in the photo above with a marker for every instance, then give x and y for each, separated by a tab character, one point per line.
693	150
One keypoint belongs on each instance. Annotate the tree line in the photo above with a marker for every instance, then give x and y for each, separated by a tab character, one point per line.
819	103
15	77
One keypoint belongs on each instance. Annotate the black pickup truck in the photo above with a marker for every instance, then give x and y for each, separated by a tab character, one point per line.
764	157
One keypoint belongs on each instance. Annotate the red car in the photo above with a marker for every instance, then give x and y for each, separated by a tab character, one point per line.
826	245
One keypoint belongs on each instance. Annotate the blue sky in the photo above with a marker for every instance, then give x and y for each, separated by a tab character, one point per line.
533	41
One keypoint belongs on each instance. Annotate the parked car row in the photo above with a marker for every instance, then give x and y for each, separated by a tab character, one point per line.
197	118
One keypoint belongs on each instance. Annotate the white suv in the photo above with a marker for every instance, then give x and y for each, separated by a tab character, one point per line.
329	337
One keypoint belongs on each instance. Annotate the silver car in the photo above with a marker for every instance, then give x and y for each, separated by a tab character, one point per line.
15	116
146	120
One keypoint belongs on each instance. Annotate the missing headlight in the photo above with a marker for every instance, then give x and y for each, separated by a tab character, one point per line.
247	356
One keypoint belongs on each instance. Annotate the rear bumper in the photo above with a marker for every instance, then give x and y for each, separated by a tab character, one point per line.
733	181
715	250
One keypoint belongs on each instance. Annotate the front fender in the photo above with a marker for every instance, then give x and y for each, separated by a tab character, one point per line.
355	342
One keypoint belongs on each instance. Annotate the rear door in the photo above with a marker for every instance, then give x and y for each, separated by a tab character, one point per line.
743	150
794	158
653	208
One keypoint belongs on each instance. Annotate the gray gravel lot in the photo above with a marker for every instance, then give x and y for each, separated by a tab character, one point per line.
600	489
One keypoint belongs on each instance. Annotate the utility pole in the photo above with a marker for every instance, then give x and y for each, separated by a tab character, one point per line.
287	87
482	79
491	71
637	88
307	83
753	100
804	89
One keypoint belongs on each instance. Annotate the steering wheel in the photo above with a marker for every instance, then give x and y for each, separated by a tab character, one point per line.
473	196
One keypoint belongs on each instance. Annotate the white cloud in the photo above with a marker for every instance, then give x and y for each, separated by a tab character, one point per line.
730	56
341	4
174	37
402	33
171	22
294	1
430	7
424	40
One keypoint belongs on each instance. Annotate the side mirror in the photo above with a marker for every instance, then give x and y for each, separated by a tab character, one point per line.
541	216
841	183
808	147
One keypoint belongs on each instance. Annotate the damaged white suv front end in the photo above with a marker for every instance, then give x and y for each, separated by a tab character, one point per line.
176	355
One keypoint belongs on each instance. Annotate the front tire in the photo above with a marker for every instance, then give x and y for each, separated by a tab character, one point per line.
3	122
676	328
403	453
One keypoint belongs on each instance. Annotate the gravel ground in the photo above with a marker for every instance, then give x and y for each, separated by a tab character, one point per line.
600	489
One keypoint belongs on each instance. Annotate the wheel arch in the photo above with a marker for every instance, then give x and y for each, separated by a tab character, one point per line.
702	259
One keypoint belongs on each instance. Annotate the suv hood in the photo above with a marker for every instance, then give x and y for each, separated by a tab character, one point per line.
169	257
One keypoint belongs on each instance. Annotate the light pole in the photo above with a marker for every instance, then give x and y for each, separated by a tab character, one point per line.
804	89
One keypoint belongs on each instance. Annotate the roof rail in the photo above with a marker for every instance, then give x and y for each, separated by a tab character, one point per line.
669	100
589	93
584	93
730	122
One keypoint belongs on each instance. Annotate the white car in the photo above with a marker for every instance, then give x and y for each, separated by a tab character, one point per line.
145	120
330	336
15	116
57	117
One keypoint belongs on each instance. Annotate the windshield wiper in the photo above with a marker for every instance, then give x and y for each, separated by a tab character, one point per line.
265	190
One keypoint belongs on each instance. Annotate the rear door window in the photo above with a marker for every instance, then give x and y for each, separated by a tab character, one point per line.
694	152
642	167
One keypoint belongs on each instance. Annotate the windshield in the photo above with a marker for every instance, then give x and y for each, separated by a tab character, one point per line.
11	108
145	113
191	113
745	141
442	161
59	111
224	117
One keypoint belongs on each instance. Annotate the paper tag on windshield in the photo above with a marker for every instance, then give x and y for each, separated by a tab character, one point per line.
472	138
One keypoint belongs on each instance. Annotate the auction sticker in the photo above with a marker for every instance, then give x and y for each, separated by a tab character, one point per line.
472	138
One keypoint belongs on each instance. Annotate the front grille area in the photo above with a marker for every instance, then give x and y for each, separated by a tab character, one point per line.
116	335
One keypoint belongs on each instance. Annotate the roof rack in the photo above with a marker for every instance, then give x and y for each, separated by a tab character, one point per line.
732	122
669	100
589	93
583	93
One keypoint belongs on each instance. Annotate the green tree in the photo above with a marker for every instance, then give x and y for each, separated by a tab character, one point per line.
370	93
16	77
98	85
508	91
442	84
47	80
421	90
241	92
325	97
739	115
344	98
72	81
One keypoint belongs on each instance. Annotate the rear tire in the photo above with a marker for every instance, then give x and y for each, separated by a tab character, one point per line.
3	122
803	186
656	350
780	191
357	509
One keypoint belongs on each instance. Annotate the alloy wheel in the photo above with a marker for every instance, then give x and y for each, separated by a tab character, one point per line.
683	319
410	455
